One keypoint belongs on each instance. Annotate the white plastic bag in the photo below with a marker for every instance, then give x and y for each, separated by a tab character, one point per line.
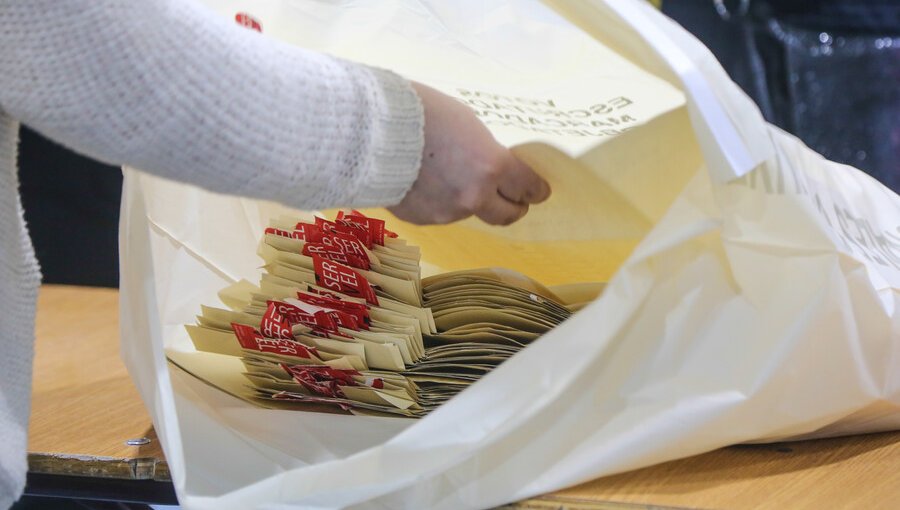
753	286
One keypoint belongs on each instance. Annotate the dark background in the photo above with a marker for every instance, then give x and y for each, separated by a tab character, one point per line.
826	70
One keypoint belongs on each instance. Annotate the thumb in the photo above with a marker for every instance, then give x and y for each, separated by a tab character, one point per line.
497	210
519	183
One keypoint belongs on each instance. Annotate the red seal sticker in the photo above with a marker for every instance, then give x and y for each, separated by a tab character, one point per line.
252	340
314	318
340	278
322	380
358	311
245	20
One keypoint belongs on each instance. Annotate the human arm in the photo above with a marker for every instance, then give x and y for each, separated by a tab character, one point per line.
166	86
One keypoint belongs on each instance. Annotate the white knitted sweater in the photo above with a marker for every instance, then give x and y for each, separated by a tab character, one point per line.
167	86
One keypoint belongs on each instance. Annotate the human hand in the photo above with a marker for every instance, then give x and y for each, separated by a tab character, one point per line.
465	171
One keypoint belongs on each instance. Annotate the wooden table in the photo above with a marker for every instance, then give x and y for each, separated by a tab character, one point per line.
85	408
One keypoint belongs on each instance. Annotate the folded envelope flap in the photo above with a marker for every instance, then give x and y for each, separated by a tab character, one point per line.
588	226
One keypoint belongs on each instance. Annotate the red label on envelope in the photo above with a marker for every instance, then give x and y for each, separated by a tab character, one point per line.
321	379
318	319
252	340
340	278
347	243
310	232
375	226
246	20
358	311
332	227
274	325
335	253
375	382
345	320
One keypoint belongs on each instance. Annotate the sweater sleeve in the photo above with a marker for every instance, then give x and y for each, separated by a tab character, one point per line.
169	87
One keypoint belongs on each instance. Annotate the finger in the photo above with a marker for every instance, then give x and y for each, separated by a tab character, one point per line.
520	184
500	211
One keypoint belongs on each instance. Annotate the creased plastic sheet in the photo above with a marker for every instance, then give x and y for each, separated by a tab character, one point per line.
754	308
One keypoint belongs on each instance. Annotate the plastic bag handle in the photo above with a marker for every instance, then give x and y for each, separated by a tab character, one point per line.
639	38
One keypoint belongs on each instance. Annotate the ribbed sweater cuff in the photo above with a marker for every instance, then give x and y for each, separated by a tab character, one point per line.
398	141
